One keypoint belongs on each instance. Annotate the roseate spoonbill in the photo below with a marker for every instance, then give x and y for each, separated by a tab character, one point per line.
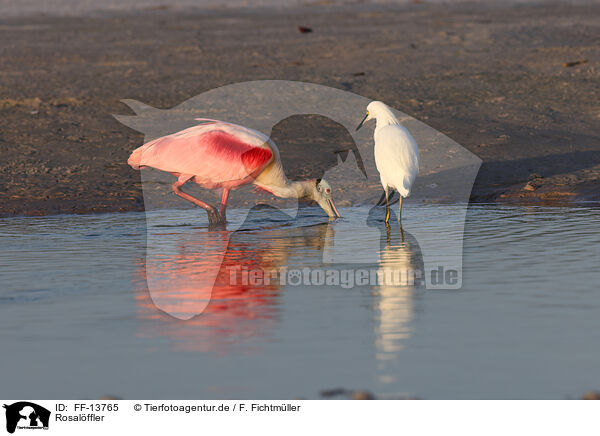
396	154
216	154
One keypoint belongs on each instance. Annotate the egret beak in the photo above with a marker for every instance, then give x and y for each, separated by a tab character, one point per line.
334	209
362	122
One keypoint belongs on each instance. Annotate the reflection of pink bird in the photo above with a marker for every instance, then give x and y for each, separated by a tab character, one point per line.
232	309
216	154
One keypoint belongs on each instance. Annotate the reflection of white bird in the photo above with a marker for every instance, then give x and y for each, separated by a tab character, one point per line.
399	276
396	154
395	302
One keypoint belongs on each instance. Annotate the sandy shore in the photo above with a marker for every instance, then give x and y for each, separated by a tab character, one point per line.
517	86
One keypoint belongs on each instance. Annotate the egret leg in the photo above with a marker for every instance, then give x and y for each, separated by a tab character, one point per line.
381	199
213	215
224	198
387	208
400	212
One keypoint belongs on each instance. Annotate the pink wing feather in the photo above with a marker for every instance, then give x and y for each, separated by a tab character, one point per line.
215	152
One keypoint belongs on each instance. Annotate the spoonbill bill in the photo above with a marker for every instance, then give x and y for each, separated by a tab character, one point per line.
221	155
396	154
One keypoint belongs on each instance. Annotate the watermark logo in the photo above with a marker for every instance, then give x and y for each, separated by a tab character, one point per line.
25	415
344	278
271	238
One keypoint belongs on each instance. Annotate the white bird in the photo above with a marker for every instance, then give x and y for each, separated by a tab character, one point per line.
396	154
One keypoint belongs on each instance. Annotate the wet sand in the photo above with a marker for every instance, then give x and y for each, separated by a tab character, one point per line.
518	86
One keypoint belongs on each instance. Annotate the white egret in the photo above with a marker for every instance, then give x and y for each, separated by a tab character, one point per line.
396	154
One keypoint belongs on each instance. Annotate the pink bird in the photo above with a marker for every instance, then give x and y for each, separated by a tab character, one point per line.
216	154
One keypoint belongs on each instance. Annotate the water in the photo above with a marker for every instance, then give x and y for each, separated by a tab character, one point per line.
77	319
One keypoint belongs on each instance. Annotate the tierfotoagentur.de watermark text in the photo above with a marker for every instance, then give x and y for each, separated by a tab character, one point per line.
345	278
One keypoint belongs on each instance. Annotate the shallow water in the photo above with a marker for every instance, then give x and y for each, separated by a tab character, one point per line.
80	299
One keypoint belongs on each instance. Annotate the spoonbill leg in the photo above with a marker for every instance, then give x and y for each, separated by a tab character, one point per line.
213	215
224	198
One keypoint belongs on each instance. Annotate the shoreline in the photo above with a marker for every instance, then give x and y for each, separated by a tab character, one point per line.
491	77
580	205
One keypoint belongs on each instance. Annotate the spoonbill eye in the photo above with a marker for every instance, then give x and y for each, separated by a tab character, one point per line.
328	190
